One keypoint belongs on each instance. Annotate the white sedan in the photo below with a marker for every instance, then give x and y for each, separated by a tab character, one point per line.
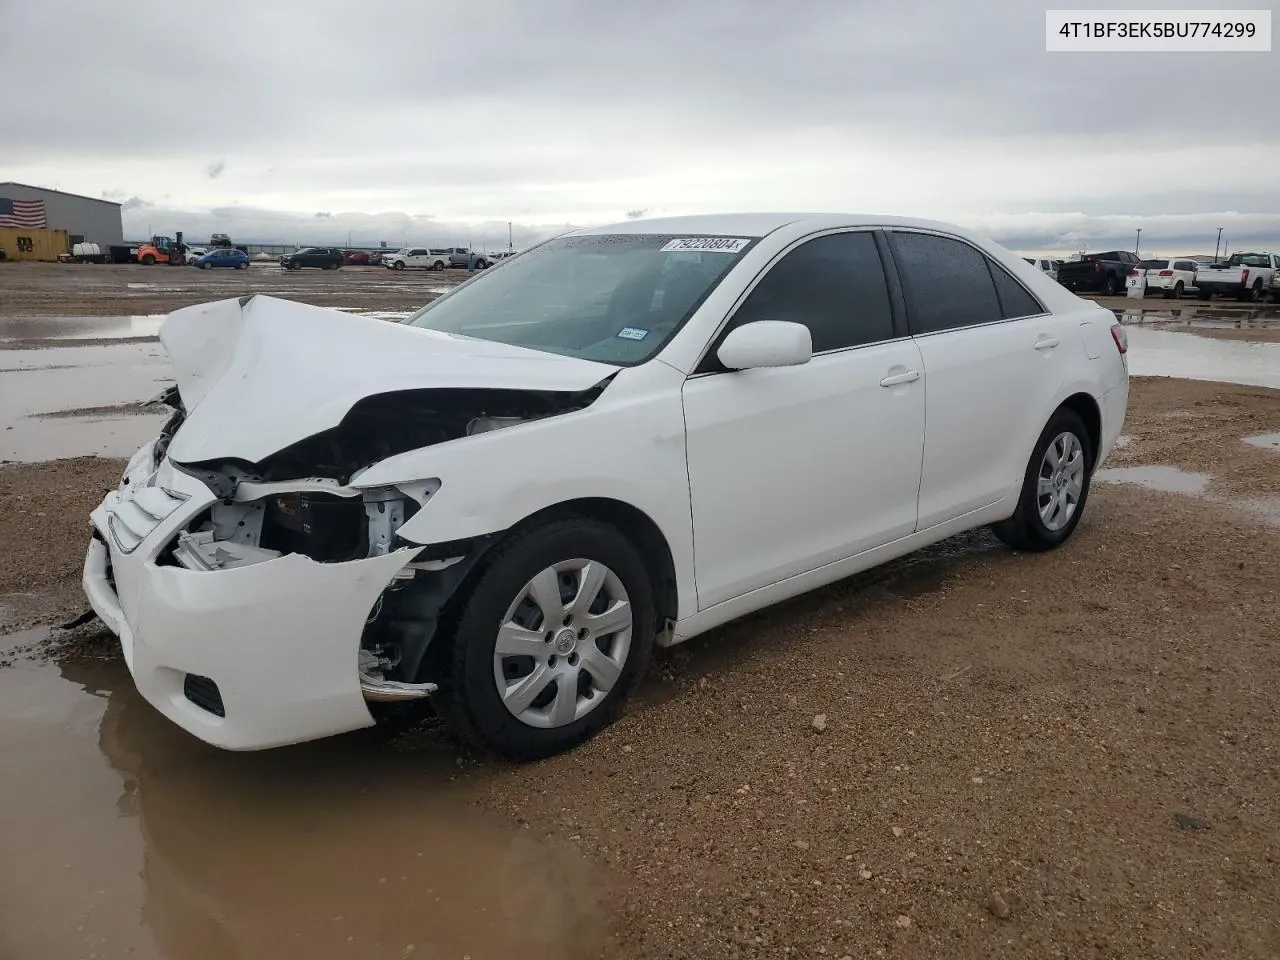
627	435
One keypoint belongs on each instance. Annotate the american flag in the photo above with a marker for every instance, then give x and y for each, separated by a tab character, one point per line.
22	213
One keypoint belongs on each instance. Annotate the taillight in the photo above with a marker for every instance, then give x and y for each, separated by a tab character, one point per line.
1097	267
1244	275
1120	337
1133	272
1166	273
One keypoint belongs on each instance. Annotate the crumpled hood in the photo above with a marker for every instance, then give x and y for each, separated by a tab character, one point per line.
260	373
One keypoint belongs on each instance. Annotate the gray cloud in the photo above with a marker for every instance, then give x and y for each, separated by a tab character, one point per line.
564	110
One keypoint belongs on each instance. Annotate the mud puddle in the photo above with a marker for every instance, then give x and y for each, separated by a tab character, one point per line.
126	837
1162	353
79	328
1268	441
1170	479
99	381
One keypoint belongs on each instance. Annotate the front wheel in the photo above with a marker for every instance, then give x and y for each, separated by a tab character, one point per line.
550	640
206	265
1054	487
399	265
147	260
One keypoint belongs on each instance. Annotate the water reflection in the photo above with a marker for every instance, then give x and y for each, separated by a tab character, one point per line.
345	847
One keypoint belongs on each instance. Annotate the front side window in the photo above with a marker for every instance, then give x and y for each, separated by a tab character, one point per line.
945	281
834	285
613	298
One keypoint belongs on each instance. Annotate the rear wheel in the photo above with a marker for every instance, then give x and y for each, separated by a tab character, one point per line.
1178	290
438	265
1054	488
242	265
550	640
1112	286
1203	294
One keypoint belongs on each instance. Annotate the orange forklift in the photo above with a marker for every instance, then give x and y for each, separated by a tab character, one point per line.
162	250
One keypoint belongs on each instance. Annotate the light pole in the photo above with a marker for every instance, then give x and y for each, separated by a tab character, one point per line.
509	245
1216	244
1137	241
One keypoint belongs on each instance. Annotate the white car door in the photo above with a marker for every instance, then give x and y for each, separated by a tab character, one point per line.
791	468
995	361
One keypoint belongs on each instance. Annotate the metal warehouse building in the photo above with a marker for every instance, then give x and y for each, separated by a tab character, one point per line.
85	219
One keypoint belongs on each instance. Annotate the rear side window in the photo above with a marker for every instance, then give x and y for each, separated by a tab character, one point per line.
834	285
946	283
1015	301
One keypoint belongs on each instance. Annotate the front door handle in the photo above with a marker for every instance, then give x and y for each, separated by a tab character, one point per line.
1046	343
911	376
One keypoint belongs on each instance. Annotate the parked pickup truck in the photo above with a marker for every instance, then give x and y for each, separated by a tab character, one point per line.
1245	276
1100	272
462	257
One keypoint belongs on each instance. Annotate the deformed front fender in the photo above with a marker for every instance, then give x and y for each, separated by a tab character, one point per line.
629	446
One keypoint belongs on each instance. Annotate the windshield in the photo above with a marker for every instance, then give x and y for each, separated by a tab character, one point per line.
1248	260
611	298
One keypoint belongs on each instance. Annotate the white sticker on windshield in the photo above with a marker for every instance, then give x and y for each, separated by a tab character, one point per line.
707	244
632	333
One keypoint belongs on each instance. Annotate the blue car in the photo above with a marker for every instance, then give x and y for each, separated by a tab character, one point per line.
223	257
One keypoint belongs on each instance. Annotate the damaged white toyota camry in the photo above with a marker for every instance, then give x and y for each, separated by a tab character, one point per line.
625	436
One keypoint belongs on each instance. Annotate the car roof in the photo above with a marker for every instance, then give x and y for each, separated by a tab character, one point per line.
759	224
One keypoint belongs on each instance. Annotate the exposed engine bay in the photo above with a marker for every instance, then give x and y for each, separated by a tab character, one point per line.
297	501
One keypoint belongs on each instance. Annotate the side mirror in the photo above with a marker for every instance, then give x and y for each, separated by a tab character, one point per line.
766	343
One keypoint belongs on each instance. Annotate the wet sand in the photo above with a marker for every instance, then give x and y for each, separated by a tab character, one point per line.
1070	754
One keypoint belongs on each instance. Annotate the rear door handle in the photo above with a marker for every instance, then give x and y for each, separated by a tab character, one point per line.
1046	343
911	376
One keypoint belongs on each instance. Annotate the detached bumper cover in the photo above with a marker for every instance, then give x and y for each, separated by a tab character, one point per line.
280	639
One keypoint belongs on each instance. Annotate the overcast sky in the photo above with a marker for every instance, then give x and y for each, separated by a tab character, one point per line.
407	120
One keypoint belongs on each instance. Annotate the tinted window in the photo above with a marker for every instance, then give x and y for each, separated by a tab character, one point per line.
1014	300
834	285
1154	264
945	281
615	298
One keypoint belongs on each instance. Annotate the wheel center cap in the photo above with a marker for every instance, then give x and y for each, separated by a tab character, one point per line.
565	641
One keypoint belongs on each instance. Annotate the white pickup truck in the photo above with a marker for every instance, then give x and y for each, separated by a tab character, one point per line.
1245	276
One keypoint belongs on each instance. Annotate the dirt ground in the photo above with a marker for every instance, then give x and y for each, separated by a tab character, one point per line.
1064	755
66	289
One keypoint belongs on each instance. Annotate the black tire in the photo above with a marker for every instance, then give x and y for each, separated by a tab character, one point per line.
1178	290
1258	293
1112	287
438	265
468	698
206	265
399	265
148	260
1203	294
1025	530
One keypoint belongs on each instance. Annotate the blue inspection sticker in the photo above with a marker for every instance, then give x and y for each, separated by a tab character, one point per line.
632	333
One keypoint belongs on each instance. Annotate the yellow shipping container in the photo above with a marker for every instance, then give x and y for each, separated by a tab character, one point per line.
21	244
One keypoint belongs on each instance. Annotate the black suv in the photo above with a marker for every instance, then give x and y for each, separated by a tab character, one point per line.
326	258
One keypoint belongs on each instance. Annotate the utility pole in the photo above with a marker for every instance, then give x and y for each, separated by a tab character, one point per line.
1216	245
1137	241
509	246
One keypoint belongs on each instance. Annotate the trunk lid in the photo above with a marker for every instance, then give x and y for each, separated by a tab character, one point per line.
259	373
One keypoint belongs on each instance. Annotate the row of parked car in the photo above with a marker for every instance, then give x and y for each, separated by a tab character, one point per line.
1250	277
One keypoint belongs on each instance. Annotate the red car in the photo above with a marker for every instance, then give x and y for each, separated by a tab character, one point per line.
356	258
